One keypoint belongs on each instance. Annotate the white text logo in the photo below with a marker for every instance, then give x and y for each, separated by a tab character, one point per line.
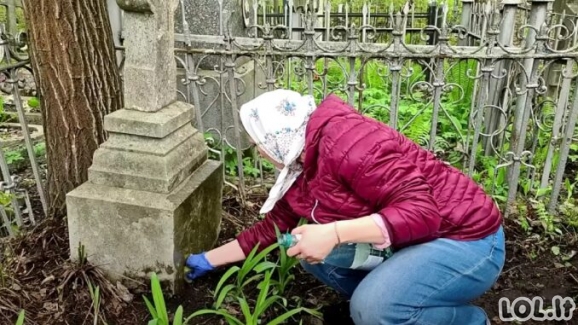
523	309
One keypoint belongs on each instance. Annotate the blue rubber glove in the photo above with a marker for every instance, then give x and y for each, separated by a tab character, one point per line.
197	265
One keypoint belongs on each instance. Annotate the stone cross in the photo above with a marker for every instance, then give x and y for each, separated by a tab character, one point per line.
152	195
150	70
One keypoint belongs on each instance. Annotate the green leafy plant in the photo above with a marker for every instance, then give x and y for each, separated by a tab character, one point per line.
95	296
82	257
158	310
266	299
255	262
250	160
269	295
40	149
284	274
286	265
550	223
34	102
271	280
14	157
4	117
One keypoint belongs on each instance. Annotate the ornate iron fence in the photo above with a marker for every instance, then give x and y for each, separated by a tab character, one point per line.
381	16
18	139
479	97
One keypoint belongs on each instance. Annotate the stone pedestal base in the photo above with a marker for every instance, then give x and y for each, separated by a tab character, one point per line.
127	232
152	197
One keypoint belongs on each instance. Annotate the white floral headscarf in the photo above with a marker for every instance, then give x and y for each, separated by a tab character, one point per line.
276	121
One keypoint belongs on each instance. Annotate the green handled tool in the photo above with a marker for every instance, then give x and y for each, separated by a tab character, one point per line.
187	270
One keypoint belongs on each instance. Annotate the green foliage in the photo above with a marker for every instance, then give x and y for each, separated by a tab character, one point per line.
33	102
254	263
252	166
14	157
158	310
18	156
266	299
82	257
6	199
40	149
286	265
95	297
270	294
4	117
270	279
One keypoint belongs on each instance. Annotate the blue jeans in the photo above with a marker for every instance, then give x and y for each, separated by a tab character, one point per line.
426	284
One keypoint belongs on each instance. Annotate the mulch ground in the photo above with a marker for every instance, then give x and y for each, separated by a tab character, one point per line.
36	275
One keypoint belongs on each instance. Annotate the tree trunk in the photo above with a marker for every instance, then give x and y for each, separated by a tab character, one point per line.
75	68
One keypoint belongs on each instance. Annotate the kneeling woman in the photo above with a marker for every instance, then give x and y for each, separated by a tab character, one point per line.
357	180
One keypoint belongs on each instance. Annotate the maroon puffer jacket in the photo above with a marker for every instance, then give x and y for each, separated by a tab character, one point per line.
355	166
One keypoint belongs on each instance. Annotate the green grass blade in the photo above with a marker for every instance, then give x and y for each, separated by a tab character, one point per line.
249	265
222	295
252	253
252	279
260	309
225	277
159	300
20	320
264	292
231	319
151	308
153	322
246	310
284	317
263	266
313	312
178	320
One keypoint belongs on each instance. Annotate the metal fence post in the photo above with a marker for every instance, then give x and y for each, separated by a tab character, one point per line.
557	126
528	85
432	20
505	38
11	17
564	150
467	7
9	186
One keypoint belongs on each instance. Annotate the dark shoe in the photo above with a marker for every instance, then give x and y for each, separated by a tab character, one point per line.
337	314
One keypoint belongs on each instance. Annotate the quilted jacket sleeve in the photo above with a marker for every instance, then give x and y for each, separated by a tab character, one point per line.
263	232
392	184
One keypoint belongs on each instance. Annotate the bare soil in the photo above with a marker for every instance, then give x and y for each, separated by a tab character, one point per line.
36	275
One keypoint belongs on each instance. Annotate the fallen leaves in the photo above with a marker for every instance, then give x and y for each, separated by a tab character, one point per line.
38	276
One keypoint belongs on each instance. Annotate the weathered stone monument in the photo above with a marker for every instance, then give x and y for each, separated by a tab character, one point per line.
152	196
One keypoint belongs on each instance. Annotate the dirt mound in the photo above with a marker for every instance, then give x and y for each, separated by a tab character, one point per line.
36	275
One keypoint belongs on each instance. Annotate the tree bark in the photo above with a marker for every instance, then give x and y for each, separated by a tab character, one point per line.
74	63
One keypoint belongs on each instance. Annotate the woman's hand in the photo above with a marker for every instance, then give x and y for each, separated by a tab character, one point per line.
198	266
315	244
